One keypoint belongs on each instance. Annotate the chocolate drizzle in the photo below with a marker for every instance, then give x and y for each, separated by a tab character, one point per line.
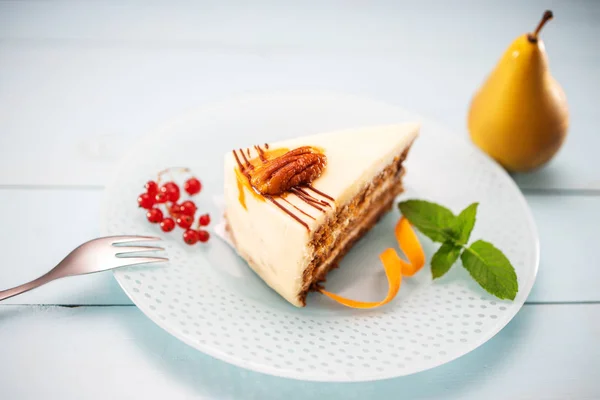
291	204
311	187
246	165
261	153
312	198
288	212
240	166
308	199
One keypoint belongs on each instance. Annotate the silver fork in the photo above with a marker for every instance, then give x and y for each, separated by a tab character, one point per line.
94	256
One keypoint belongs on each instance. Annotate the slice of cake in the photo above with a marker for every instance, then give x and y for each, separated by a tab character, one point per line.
295	208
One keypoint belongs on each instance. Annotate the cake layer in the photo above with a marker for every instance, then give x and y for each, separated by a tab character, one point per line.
274	235
334	239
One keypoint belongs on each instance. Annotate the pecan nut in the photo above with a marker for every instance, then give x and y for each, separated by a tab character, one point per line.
294	168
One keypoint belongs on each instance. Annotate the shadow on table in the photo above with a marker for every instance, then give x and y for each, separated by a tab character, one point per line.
206	376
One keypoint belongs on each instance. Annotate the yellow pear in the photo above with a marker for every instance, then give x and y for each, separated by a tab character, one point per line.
520	116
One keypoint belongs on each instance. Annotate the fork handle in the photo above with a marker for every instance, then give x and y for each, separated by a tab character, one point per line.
42	280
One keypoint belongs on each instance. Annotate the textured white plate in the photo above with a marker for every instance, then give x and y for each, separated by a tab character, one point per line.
211	300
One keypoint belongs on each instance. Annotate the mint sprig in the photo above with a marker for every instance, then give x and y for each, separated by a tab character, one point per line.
486	264
465	222
431	219
444	258
491	269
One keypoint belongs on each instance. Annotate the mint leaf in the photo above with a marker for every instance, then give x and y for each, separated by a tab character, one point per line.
444	258
491	269
465	222
434	221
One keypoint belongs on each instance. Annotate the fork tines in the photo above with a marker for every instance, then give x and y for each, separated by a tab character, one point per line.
126	252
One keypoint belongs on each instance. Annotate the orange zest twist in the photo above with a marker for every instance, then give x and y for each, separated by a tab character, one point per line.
394	266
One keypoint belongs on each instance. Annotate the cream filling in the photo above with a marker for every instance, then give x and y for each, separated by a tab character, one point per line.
364	219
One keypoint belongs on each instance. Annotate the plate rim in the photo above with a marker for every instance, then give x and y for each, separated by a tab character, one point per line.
315	377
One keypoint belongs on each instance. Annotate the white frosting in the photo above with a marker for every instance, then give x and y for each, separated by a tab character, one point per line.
274	244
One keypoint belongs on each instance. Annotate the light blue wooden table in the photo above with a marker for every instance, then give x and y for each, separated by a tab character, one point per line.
80	82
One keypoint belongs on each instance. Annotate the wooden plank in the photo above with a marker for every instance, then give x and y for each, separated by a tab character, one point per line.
378	26
66	218
546	352
85	80
89	105
567	227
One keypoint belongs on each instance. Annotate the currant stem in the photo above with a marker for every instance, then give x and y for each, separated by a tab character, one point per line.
170	172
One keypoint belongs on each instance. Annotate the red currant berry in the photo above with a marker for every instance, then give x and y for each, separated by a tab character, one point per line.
151	188
154	215
188	208
203	236
167	225
171	190
190	236
192	186
204	220
146	201
161	198
175	209
185	221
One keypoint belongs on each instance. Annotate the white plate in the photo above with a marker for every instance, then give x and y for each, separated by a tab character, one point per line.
211	300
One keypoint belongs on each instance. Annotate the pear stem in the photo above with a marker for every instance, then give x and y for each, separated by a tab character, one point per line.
533	37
